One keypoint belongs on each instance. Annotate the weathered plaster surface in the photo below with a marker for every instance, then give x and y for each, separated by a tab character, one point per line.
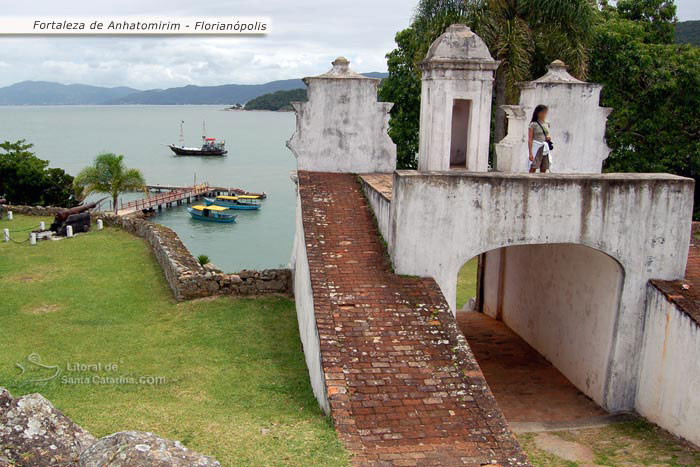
381	207
577	124
342	127
440	220
563	300
457	66
670	373
303	295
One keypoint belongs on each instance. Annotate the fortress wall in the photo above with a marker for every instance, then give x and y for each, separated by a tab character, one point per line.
670	373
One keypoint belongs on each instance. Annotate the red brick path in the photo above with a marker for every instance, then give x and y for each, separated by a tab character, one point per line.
403	386
686	293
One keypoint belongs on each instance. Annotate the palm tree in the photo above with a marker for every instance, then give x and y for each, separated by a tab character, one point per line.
108	175
525	35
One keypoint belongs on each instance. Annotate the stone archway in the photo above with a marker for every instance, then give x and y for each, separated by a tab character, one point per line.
563	300
439	220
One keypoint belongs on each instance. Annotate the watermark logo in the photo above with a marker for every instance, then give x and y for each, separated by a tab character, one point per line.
39	373
35	371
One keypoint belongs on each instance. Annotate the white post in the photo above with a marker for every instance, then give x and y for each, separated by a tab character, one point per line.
99	224
5	235
9	215
42	225
69	231
32	238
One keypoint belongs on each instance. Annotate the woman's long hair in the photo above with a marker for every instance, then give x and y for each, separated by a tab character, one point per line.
538	110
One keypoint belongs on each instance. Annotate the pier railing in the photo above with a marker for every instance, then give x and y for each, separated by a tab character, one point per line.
170	197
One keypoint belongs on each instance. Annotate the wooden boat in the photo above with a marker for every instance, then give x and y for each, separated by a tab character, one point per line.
234	202
211	213
239	192
209	146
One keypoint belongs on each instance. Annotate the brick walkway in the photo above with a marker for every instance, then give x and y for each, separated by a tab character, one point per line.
527	387
686	293
403	386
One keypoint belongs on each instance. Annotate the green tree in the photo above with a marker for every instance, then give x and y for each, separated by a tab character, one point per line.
109	175
655	123
26	179
657	16
524	35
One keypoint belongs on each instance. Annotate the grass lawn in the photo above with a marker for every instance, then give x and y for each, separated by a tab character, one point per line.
635	443
466	282
226	377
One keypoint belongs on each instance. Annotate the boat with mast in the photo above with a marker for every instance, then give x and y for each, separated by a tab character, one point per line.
210	147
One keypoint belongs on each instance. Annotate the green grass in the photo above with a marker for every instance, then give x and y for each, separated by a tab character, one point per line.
466	282
622	444
234	383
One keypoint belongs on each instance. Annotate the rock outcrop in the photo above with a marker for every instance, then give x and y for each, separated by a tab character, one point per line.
34	433
138	448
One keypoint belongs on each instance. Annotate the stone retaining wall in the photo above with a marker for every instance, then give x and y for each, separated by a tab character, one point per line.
186	277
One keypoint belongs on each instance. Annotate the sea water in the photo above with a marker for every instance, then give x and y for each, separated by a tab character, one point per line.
70	137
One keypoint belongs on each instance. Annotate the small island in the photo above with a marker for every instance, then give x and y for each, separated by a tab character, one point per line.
277	101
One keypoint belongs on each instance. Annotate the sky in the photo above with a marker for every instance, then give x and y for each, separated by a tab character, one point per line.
306	35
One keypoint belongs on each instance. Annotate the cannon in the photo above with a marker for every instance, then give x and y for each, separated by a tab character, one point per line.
77	217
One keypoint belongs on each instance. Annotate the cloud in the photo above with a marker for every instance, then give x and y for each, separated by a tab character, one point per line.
306	36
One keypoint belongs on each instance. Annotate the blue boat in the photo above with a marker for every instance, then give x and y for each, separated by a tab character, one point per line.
211	213
234	202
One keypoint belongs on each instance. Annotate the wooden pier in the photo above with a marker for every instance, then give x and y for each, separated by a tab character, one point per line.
169	195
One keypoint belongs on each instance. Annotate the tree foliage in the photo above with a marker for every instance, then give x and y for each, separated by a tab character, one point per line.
26	179
655	123
280	100
108	175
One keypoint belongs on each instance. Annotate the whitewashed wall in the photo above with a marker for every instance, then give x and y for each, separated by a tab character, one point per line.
669	382
342	127
303	296
563	300
577	122
440	220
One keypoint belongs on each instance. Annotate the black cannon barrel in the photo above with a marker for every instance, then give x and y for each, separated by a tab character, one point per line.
63	215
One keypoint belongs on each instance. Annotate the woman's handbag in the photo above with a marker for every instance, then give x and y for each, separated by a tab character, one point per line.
549	141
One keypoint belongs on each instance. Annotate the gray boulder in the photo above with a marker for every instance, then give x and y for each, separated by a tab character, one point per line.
33	432
141	449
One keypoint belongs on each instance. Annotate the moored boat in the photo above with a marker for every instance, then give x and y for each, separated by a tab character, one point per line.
243	202
210	147
211	213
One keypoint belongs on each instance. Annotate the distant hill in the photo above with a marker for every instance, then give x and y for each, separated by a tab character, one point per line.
688	32
279	100
47	93
226	94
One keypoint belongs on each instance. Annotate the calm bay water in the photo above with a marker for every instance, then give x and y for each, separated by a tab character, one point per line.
258	160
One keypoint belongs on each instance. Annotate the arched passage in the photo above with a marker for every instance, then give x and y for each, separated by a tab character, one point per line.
563	300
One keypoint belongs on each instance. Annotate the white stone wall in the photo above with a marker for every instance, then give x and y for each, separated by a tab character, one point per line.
303	296
577	122
342	127
381	207
441	220
563	301
668	392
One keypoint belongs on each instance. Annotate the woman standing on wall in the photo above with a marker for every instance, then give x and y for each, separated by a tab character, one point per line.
539	141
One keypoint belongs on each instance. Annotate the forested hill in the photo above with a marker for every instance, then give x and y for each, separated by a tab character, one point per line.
280	100
688	32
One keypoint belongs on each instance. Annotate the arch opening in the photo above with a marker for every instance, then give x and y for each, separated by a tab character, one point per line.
541	321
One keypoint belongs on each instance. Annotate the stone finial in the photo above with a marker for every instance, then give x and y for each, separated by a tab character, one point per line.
558	72
341	69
